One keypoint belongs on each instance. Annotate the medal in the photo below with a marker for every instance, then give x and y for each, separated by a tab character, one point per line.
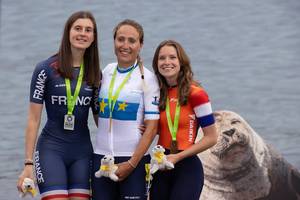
110	123
173	127
112	98
69	120
173	147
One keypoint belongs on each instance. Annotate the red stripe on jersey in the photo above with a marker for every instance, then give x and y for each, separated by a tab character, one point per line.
53	196
79	195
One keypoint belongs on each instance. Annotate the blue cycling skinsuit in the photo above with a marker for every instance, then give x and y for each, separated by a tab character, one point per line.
62	157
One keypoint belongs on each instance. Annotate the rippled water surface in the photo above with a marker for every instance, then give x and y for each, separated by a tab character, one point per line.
245	53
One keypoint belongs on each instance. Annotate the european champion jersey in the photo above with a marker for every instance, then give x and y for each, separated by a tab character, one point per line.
49	87
196	113
137	101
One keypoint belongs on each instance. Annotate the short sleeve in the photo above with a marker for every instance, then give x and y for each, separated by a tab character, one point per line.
95	103
38	84
202	106
151	96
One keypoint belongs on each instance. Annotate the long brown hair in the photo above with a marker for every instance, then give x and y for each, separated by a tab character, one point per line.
92	73
184	79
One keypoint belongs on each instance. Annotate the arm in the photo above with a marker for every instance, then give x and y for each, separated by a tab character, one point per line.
95	116
95	104
209	139
33	123
125	168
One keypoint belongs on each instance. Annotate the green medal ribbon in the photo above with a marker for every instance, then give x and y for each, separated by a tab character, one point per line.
71	100
112	99
173	127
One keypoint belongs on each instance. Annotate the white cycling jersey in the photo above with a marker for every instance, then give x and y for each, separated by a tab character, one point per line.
137	101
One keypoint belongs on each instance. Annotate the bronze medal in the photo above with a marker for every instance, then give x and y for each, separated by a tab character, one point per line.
173	147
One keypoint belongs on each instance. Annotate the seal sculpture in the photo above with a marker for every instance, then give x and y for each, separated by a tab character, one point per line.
241	166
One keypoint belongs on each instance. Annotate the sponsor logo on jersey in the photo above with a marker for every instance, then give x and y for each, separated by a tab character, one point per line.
40	85
191	127
193	116
173	100
88	88
60	85
62	100
38	169
155	100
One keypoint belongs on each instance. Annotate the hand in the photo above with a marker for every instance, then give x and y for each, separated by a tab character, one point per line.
173	158
26	173
124	169
142	128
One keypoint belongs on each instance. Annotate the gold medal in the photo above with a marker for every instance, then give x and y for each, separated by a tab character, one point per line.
112	98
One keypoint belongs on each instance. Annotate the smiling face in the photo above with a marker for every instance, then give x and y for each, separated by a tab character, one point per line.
127	45
168	64
81	34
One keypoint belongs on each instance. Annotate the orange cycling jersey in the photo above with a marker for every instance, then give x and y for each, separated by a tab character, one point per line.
196	113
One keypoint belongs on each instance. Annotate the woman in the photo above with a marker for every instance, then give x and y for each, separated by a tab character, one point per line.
67	83
128	97
184	106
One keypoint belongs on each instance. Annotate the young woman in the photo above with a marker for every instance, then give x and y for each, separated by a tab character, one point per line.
67	83
184	107
128	97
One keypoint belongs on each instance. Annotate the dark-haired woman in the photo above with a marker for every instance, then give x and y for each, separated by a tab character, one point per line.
67	83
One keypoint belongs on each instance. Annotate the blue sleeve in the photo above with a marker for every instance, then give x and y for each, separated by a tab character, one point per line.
94	102
38	84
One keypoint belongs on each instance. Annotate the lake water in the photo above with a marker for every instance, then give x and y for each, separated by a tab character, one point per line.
245	53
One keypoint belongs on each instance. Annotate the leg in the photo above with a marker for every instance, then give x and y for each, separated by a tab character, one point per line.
103	187
134	186
188	179
79	179
51	175
161	185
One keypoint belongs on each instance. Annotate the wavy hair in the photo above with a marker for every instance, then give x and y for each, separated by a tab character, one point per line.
184	79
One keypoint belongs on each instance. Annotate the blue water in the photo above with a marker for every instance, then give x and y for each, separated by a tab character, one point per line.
245	53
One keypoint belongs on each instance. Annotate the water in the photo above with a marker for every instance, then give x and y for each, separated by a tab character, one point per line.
245	53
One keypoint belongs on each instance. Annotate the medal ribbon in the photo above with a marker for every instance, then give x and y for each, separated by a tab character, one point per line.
173	127
112	99
71	100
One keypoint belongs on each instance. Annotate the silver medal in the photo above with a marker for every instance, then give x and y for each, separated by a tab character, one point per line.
69	122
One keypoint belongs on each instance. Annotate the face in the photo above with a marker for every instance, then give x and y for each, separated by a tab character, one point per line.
127	45
81	34
168	64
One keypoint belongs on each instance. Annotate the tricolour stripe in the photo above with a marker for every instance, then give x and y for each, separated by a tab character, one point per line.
79	195
53	196
203	110
82	191
206	120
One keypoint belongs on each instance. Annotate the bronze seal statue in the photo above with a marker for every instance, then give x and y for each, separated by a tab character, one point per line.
241	166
